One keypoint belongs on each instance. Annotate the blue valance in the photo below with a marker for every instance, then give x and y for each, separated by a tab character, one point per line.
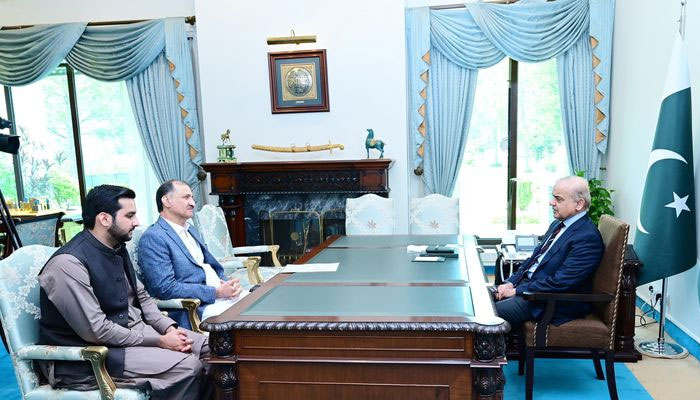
117	52
30	54
153	57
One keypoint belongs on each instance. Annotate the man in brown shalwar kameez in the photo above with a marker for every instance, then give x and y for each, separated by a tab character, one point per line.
90	296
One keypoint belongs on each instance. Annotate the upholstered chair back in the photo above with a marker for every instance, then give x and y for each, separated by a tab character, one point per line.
434	214
211	224
40	230
19	306
369	215
132	246
608	276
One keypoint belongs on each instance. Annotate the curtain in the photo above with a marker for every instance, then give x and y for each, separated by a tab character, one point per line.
417	61
32	53
479	36
165	106
117	53
601	31
152	56
191	33
576	93
450	99
154	101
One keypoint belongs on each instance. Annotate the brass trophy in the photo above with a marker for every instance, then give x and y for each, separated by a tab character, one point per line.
226	148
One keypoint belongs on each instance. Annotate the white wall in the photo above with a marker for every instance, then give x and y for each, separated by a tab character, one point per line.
366	72
643	37
365	46
32	12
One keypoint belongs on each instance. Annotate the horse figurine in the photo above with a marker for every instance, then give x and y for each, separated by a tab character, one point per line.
372	143
226	137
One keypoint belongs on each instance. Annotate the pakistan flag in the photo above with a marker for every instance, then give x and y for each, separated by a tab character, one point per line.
665	238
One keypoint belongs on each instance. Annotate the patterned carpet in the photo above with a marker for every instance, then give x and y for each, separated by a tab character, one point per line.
554	380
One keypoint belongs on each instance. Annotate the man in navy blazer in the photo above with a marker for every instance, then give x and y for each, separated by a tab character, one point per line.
175	261
565	261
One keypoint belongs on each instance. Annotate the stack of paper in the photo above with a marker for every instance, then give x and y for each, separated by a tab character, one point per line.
328	267
415	249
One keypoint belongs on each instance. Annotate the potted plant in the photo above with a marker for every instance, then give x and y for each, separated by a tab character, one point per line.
601	203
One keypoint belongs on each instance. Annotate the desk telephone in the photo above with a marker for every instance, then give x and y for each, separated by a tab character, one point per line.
510	251
523	247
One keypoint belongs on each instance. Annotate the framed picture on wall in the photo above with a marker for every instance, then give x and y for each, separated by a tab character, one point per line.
298	81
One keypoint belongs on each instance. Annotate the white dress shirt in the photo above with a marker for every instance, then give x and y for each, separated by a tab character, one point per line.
212	279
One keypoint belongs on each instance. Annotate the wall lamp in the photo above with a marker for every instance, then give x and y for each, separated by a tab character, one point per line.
293	38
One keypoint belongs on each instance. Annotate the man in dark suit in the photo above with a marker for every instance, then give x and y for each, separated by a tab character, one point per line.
175	261
564	262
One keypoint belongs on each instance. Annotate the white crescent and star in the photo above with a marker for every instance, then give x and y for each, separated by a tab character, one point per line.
678	203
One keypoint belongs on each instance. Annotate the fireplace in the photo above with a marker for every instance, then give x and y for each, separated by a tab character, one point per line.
293	204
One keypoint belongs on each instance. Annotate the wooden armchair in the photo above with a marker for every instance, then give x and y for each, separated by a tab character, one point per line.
20	313
595	334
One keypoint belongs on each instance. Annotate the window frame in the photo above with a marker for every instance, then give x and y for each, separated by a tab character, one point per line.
75	124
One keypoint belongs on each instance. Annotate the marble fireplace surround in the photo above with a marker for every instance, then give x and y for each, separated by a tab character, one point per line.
250	192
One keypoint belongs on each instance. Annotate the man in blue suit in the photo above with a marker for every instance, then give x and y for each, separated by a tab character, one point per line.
565	261
175	261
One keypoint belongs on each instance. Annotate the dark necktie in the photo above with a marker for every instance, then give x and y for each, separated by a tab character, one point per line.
549	241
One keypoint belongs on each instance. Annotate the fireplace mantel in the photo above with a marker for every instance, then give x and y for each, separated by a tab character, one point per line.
232	182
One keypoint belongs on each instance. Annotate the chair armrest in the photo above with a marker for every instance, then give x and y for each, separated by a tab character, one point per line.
96	355
272	249
191	305
578	297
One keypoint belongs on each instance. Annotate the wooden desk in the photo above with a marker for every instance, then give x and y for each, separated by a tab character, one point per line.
33	214
381	327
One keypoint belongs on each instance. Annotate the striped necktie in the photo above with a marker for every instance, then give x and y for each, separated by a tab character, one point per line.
549	241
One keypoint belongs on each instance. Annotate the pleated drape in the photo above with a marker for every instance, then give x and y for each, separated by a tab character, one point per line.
450	100
479	36
154	101
152	57
30	54
119	52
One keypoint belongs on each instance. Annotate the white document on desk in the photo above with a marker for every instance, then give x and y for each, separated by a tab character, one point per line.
321	267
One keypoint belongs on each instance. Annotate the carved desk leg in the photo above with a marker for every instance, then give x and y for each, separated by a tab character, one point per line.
225	379
488	380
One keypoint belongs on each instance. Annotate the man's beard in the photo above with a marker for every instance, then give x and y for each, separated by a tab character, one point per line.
120	235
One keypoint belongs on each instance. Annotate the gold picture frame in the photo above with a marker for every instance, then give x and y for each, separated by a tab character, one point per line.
298	81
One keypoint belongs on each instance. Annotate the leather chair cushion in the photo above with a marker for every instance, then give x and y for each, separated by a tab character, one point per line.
587	332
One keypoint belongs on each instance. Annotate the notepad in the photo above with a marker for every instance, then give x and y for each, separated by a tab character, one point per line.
320	267
412	248
429	259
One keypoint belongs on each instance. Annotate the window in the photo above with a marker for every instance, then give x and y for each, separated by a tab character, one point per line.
542	156
482	183
7	175
58	154
42	117
508	187
112	148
